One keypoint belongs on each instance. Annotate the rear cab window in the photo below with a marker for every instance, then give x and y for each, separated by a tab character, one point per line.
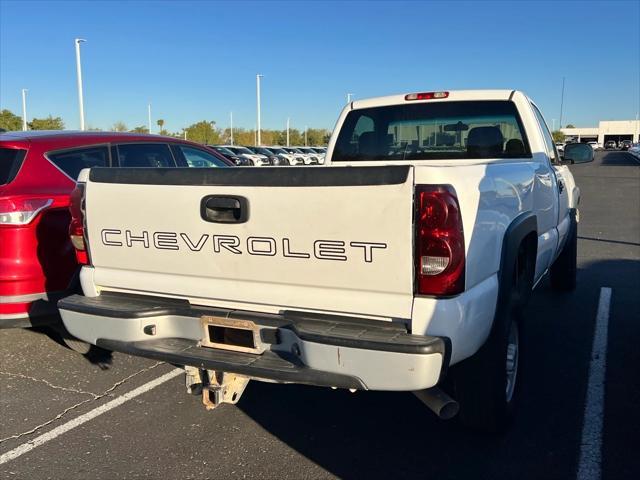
433	131
72	161
10	162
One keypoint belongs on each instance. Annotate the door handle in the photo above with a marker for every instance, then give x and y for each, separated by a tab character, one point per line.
224	209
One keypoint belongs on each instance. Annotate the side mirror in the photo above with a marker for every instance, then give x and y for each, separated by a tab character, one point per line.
578	153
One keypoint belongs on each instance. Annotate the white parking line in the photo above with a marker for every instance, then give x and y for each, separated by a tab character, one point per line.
76	422
589	466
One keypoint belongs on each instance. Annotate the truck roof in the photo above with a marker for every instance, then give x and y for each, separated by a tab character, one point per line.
454	95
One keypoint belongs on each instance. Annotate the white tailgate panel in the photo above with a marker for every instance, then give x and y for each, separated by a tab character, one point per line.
380	214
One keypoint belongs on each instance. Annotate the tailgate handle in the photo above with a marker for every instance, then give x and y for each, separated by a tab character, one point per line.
224	209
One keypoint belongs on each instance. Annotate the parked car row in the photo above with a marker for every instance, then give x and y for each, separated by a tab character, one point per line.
608	145
271	155
621	145
634	150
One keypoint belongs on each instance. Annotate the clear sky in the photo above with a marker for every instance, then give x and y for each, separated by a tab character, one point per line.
198	60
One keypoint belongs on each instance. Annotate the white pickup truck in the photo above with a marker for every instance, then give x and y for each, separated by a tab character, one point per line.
403	264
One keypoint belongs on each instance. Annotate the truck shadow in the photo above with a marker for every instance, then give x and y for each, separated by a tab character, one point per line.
614	158
392	435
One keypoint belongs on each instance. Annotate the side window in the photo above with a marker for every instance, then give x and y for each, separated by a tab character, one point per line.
548	139
149	155
10	162
71	162
199	158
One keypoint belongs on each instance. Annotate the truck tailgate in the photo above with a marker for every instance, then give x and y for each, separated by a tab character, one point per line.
336	239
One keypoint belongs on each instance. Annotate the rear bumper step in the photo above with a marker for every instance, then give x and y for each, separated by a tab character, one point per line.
269	365
297	347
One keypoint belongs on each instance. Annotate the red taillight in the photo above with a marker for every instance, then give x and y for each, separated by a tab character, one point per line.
18	210
426	95
440	256
76	227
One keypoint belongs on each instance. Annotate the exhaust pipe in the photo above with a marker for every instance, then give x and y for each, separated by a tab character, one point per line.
439	402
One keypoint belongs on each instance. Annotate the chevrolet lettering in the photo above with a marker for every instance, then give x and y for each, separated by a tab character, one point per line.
260	246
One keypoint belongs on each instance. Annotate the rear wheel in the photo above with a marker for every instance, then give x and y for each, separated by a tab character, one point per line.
563	272
486	384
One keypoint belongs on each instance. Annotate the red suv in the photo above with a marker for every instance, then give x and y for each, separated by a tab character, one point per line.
37	175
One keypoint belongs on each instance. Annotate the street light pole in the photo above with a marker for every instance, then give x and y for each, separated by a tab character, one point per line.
231	126
78	41
553	122
287	131
24	109
258	77
305	135
149	116
561	102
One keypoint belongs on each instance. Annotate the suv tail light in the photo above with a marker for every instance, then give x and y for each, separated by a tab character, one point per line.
76	227
21	210
440	255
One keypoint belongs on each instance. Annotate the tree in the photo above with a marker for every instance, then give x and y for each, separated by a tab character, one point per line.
569	125
296	137
317	136
243	136
142	129
203	132
558	136
49	123
119	127
160	123
9	121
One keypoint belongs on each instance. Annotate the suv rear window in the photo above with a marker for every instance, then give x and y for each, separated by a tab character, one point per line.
10	162
72	161
432	131
151	155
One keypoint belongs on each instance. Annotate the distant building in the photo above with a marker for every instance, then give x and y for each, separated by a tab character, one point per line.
616	130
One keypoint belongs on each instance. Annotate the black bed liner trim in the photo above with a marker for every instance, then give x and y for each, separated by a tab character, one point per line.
334	330
269	365
255	176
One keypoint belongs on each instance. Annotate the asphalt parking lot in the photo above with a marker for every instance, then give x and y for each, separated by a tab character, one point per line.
67	416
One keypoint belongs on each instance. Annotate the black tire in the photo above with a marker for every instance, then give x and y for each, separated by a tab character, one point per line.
481	383
563	272
76	345
79	346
